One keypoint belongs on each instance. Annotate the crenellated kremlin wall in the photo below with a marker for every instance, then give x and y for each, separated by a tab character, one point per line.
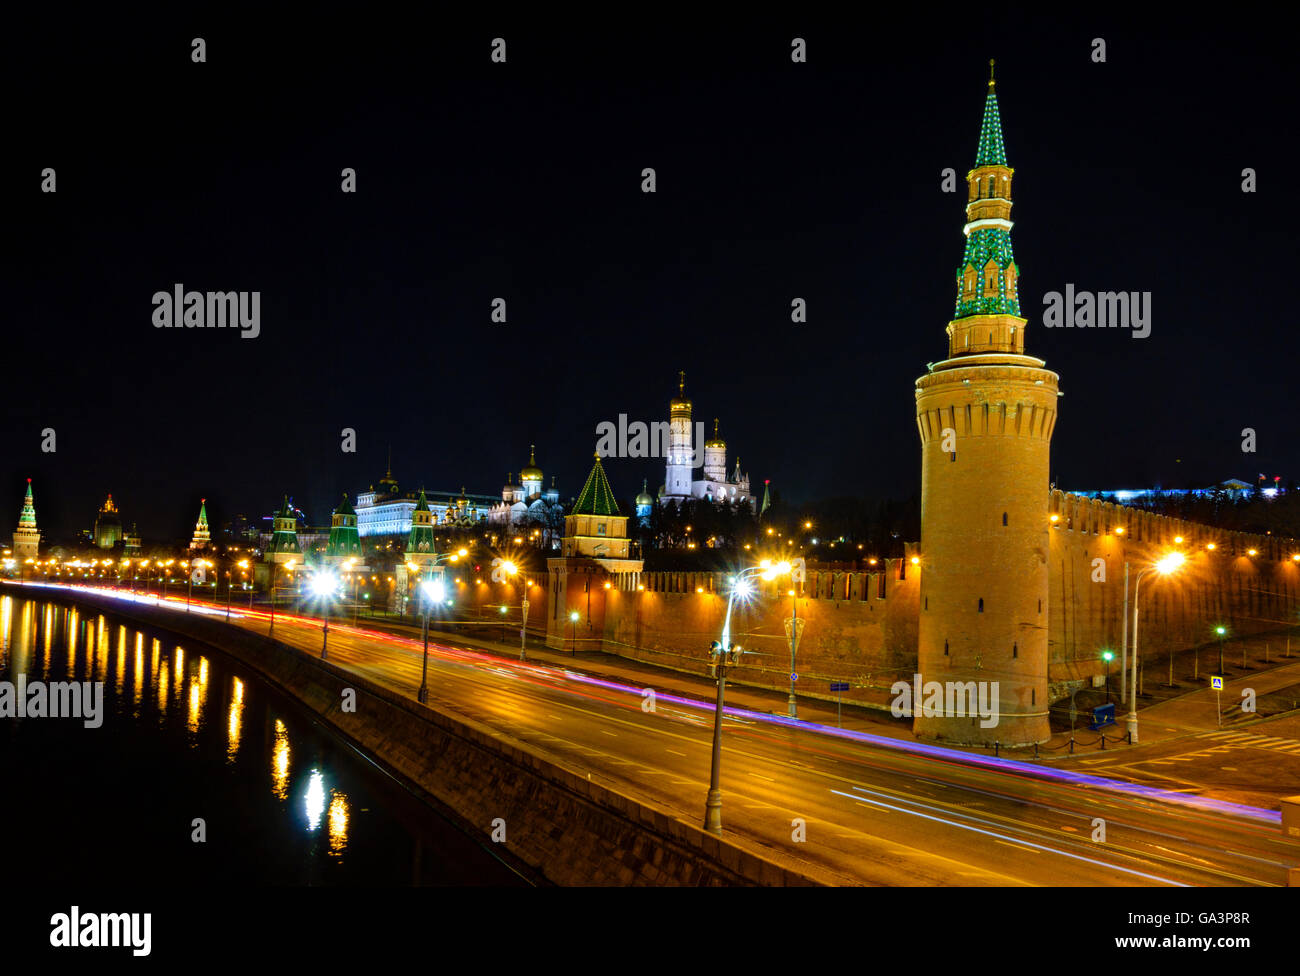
863	627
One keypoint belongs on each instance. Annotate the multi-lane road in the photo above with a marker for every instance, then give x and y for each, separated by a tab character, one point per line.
847	806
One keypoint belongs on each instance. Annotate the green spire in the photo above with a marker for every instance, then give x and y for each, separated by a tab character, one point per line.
990	242
420	538
284	535
597	498
991	152
344	542
27	520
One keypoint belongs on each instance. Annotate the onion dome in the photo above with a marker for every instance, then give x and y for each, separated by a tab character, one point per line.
716	440
532	472
680	403
644	498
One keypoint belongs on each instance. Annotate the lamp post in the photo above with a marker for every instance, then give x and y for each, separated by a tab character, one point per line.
573	619
1107	656
1164	566
324	585
517	571
433	591
1221	631
724	655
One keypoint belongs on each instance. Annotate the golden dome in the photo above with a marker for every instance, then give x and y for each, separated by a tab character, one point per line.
532	472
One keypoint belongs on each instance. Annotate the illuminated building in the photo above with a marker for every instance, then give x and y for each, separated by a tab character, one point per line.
284	546
644	504
1232	489
595	528
131	542
526	503
27	538
679	483
202	537
344	543
986	415
108	525
386	510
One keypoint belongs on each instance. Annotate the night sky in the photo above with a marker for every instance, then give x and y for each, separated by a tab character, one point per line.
477	180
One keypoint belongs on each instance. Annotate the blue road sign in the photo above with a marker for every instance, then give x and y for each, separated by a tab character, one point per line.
1216	682
839	686
794	677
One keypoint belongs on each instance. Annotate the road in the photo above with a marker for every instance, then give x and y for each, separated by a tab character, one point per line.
874	810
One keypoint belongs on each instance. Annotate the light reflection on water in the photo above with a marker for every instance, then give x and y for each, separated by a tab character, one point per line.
192	737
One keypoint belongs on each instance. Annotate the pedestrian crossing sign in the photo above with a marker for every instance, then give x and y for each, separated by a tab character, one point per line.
1216	682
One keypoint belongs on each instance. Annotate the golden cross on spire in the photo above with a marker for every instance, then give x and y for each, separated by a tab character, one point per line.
681	383
990	73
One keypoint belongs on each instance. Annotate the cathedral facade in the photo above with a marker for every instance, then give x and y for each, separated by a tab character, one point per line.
680	483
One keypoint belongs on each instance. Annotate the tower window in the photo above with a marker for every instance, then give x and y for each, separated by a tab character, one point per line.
945	648
981	605
927	603
1033	696
990	186
1015	650
1040	606
1004	518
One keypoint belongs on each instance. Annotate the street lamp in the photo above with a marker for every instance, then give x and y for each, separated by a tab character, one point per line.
1107	656
324	585
1164	567
517	571
723	655
573	618
433	592
772	571
1221	631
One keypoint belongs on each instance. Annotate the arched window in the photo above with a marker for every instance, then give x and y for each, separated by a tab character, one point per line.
991	183
981	605
1004	518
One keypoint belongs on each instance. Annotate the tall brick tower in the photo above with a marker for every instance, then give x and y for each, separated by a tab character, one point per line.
986	415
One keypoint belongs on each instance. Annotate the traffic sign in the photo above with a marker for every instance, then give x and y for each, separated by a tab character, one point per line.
1216	682
839	686
793	676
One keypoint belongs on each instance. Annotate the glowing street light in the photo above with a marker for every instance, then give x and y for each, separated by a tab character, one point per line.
433	592
323	586
1169	564
723	655
573	618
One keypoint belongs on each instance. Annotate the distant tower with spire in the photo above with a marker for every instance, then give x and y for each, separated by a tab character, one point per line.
108	525
344	543
986	415
683	441
202	536
27	538
283	546
644	503
677	481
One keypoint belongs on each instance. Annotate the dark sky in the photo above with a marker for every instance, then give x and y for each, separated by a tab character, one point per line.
522	180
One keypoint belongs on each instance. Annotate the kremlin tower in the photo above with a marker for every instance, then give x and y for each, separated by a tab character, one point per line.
986	415
202	537
27	538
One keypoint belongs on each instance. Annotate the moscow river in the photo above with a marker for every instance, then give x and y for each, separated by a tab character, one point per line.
188	734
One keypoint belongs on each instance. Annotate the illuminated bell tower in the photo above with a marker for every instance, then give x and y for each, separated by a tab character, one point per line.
678	477
986	416
27	538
